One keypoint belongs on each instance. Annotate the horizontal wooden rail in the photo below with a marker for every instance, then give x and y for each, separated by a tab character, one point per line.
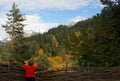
16	73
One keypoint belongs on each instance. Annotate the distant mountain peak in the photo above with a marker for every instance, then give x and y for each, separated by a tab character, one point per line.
76	19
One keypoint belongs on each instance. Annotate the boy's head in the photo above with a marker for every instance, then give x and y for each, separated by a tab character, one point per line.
30	63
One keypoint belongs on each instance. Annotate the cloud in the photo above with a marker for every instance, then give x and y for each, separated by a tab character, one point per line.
2	31
53	4
96	4
35	23
49	4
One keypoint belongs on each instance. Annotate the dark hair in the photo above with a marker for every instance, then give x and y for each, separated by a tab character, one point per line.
30	63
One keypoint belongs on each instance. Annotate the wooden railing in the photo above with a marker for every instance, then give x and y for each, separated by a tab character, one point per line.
16	73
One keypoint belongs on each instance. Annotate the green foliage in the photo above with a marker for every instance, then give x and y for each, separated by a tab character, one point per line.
54	53
43	62
24	50
98	43
4	53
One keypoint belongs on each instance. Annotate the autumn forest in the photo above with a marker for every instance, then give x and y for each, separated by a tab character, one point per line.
94	41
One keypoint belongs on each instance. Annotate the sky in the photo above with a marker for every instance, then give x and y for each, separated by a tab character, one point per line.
42	15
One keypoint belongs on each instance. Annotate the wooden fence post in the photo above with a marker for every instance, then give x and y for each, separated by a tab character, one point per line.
66	67
9	72
88	66
106	64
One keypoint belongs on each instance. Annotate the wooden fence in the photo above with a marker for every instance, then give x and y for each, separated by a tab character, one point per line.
16	73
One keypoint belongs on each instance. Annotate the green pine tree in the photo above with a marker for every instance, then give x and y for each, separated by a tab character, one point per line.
14	26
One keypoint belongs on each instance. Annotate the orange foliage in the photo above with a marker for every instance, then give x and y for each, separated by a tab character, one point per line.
77	34
6	62
40	51
67	57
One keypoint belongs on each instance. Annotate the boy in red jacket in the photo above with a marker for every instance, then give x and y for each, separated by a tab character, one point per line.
30	71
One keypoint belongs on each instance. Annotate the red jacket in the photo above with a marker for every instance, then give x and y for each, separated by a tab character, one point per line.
29	70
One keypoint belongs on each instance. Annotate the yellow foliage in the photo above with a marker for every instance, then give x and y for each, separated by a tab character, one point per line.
53	38
56	62
77	34
55	42
26	62
40	51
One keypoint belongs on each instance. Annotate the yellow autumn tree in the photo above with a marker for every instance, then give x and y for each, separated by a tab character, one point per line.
55	42
56	62
39	52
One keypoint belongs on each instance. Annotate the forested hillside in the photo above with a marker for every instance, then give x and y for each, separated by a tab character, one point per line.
95	41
